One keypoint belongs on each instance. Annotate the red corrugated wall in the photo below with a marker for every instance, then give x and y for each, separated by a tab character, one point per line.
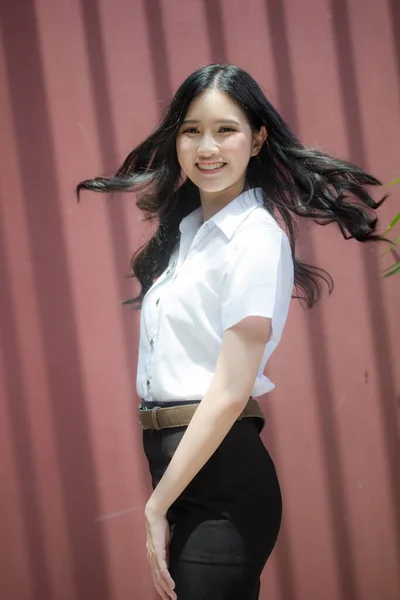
81	83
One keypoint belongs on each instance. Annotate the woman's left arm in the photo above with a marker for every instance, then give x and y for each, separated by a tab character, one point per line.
238	362
239	359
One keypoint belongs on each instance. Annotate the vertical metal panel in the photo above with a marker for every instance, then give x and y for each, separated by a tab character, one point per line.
81	83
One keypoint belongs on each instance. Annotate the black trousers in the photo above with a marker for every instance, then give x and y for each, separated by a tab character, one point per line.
225	523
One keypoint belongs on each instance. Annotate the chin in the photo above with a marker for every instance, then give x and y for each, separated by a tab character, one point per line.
213	189
212	186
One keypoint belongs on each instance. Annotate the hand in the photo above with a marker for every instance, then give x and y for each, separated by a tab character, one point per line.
157	542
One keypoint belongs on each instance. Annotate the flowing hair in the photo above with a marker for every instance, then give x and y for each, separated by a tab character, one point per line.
296	182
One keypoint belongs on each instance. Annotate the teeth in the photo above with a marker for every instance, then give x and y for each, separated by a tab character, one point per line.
209	168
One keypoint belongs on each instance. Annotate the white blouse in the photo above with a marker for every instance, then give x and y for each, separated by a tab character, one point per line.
236	264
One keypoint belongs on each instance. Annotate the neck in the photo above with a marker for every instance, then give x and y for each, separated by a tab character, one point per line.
213	202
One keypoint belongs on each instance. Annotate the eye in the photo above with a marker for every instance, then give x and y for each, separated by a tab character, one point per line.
226	129
190	130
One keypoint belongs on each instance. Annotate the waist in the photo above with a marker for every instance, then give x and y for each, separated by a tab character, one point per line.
165	404
165	415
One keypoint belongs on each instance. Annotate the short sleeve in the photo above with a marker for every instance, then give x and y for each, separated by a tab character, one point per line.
251	281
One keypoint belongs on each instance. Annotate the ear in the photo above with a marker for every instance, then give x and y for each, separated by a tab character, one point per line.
259	138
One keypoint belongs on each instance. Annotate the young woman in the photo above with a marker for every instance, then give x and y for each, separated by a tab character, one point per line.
216	282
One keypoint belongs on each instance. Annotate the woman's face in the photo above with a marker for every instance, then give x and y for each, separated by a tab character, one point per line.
214	144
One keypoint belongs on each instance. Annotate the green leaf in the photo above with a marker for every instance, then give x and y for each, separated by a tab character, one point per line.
393	269
393	223
390	267
391	246
393	182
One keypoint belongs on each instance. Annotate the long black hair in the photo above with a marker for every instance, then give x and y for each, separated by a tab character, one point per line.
296	181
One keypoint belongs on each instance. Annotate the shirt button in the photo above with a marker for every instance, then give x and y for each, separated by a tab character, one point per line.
158	301
152	344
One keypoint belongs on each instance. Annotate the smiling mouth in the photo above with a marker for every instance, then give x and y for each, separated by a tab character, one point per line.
211	167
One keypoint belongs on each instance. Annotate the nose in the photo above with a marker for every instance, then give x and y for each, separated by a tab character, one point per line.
207	146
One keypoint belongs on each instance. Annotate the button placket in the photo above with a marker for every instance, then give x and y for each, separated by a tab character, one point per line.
148	389
149	368
153	327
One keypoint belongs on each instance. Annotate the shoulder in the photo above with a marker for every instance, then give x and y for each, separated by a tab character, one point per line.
260	247
259	227
259	220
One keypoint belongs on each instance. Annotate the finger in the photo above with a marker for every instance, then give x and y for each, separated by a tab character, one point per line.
160	590
163	569
159	578
165	575
165	586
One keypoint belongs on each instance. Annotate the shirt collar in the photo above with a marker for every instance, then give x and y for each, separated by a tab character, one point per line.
229	217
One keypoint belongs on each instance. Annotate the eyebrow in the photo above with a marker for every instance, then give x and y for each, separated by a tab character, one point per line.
195	121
